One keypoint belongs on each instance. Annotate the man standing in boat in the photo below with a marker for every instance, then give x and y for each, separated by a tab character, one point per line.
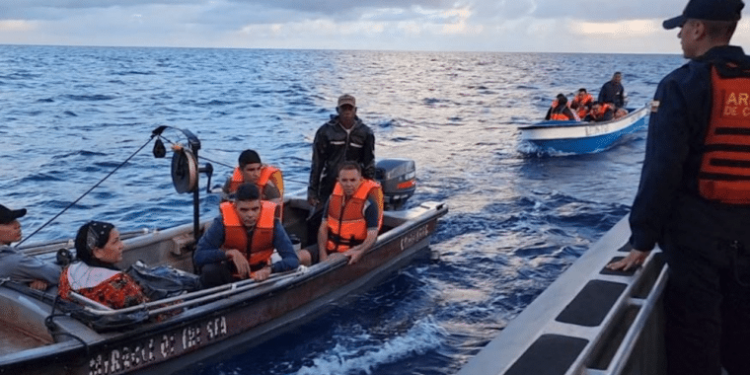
17	266
612	92
267	178
352	216
694	194
239	243
343	138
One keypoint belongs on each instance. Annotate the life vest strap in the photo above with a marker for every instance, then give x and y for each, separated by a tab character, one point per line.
351	242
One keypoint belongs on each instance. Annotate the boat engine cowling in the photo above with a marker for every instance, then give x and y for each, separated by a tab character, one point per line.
398	177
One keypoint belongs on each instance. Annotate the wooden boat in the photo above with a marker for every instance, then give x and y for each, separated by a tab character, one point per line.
589	321
578	137
38	338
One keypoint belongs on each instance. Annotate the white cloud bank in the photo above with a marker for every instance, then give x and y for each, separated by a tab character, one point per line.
462	25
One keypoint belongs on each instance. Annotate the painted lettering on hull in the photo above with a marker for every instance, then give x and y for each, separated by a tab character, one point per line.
157	349
412	238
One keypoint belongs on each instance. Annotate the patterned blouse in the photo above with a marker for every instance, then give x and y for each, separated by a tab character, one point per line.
109	287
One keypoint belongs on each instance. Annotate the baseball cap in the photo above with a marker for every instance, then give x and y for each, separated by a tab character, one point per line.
347	99
7	215
710	10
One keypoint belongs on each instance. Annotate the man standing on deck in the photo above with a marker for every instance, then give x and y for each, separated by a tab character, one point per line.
694	195
612	92
343	138
17	266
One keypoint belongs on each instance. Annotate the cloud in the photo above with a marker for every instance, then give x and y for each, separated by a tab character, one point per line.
464	25
16	25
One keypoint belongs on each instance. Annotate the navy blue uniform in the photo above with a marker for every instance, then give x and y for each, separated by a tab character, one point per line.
612	92
706	244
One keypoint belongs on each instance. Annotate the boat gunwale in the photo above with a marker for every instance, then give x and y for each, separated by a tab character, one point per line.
572	124
427	212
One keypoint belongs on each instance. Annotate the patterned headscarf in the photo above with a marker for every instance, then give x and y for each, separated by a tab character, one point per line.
92	235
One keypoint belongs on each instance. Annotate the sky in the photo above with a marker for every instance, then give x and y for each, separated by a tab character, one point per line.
578	26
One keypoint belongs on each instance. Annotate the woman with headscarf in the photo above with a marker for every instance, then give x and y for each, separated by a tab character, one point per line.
95	276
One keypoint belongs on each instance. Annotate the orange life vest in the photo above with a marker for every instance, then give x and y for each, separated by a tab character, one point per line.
235	234
346	220
724	174
603	108
580	105
559	116
267	173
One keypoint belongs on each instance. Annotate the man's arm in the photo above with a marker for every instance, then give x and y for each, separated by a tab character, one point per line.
667	147
209	245
283	245
316	168
272	193
25	269
372	218
368	159
226	195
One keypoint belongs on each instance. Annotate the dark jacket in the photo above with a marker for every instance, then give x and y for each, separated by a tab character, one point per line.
668	196
332	146
612	92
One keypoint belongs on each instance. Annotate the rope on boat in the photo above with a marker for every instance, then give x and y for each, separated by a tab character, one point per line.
87	192
50	324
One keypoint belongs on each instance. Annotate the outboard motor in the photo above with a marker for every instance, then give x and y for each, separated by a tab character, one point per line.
398	177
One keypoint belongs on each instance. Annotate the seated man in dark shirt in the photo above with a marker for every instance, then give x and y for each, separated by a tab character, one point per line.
17	266
240	242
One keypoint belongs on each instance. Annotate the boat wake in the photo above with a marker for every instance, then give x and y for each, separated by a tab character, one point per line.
358	351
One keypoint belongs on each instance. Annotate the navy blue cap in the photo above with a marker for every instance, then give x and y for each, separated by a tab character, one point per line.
709	10
7	215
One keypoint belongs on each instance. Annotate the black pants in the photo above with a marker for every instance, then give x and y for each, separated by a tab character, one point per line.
707	303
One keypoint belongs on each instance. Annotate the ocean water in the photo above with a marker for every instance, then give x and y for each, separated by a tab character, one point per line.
517	220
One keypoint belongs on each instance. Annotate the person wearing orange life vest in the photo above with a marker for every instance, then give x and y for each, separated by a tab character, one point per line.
239	243
559	111
269	179
693	199
600	112
582	103
352	216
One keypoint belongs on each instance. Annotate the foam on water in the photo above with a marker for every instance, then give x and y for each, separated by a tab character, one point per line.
358	351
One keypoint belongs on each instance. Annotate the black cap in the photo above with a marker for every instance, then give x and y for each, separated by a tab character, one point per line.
7	215
709	10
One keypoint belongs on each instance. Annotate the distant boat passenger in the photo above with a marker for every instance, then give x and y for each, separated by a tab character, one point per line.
559	110
267	178
613	92
600	112
582	103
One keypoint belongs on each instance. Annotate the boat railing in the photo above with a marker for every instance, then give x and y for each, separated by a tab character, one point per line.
645	310
591	320
188	299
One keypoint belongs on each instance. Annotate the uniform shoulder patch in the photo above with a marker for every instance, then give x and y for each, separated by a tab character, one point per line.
654	106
